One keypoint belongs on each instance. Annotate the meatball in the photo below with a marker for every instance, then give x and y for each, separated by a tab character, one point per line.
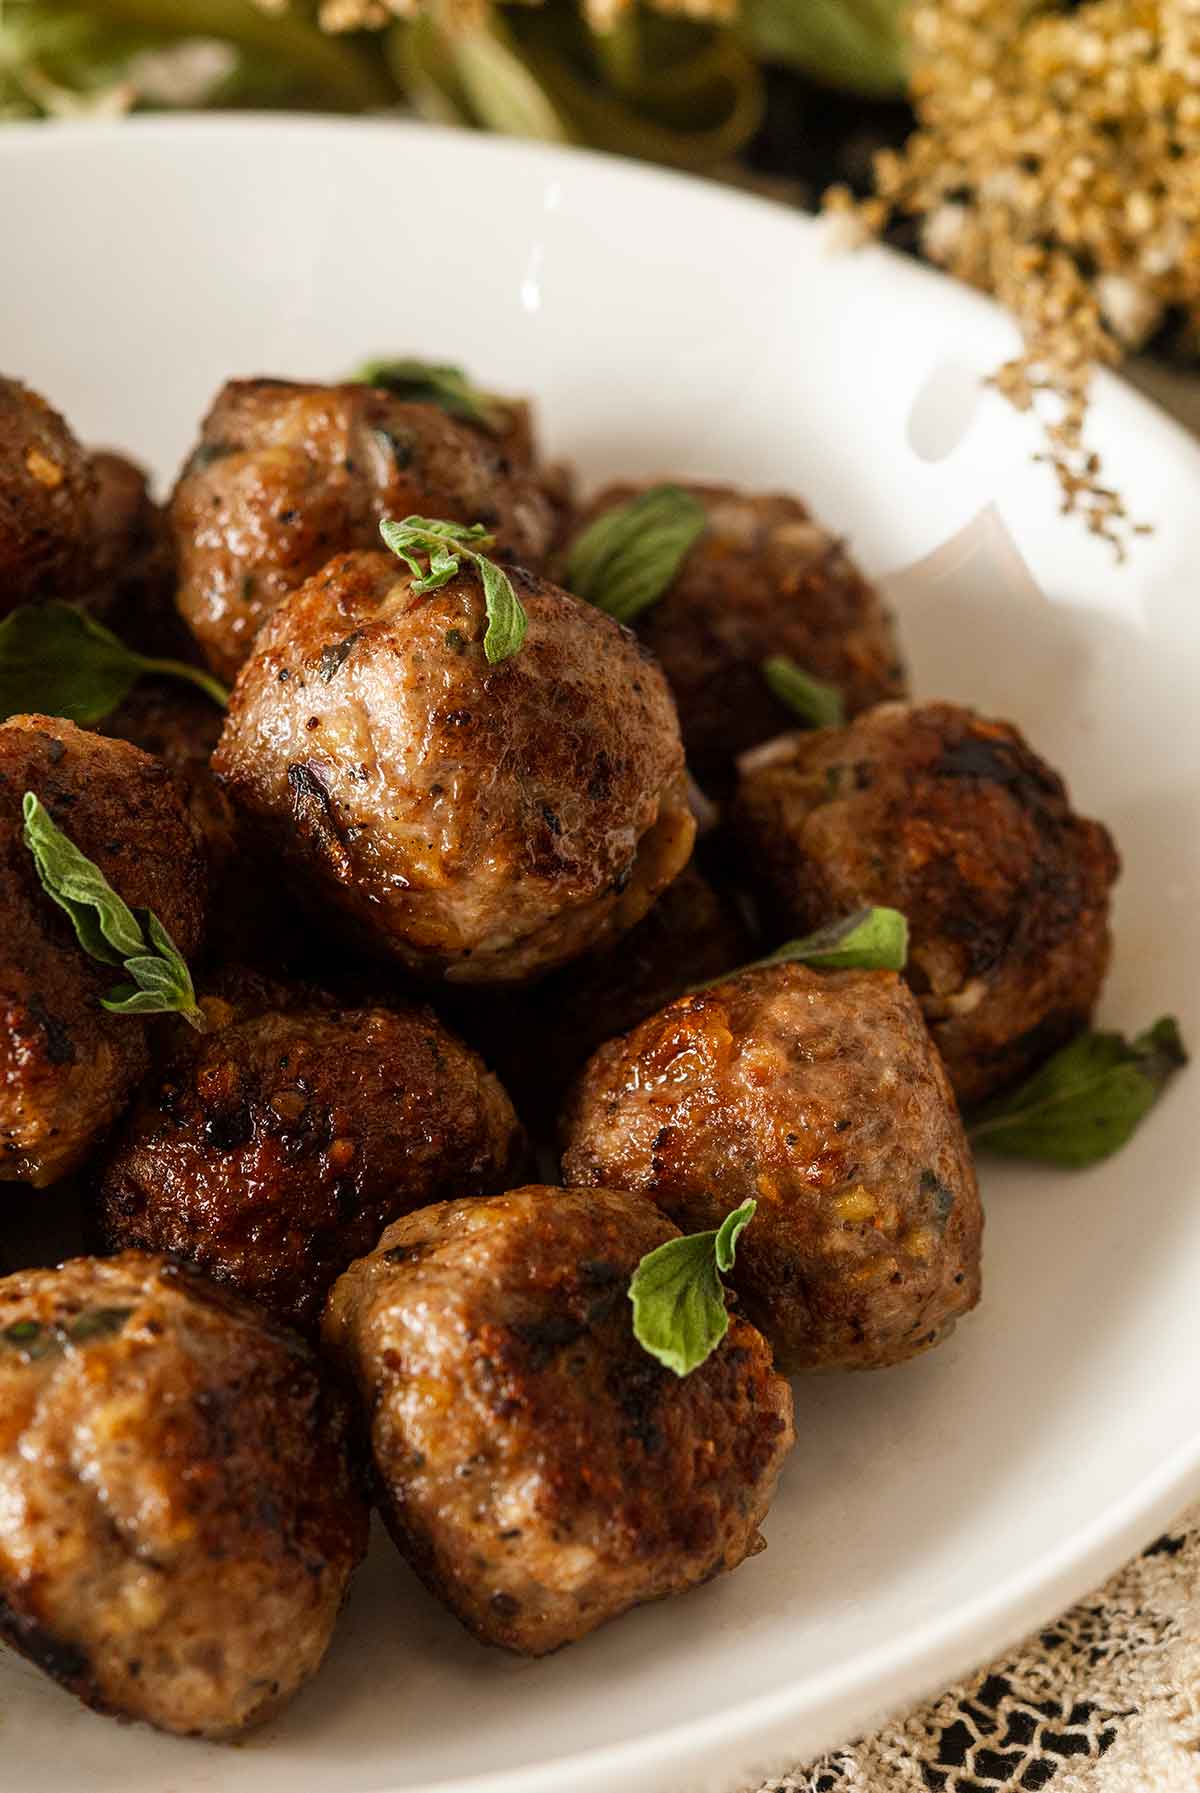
763	579
178	1519
539	1037
821	1096
180	725
47	491
275	1151
955	820
480	822
67	1066
133	561
287	475
540	1471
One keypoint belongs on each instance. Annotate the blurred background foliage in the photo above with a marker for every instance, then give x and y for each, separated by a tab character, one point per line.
1047	151
660	83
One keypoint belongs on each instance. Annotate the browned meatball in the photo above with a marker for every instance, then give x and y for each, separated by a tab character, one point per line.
540	1471
540	1036
286	475
819	1095
955	820
178	1520
763	579
67	1066
181	726
474	821
276	1151
133	561
47	490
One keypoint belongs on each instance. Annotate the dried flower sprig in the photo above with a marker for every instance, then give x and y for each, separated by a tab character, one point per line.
1056	164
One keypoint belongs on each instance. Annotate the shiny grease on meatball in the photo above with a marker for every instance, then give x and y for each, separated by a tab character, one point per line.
540	1471
538	1037
67	1066
287	475
763	579
276	1150
178	1521
955	820
480	822
820	1096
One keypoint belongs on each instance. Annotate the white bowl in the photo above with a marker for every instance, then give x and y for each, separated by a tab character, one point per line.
931	1513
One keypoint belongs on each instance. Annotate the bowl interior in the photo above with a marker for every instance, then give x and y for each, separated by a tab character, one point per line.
932	1512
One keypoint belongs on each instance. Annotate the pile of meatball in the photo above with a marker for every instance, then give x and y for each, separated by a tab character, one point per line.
449	921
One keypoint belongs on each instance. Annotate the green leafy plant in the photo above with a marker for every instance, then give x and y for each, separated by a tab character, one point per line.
679	1311
873	939
812	700
445	546
107	928
628	556
1086	1101
55	660
434	383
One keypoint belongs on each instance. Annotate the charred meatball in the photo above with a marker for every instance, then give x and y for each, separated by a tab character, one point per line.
955	820
178	1521
481	822
47	491
821	1096
286	475
540	1471
540	1036
275	1151
763	579
67	1066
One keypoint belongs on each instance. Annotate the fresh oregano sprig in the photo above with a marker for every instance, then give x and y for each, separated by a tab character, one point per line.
1086	1101
107	928
624	561
436	383
817	704
873	939
679	1312
56	660
444	546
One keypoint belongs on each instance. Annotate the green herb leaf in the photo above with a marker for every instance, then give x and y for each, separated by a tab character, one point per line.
679	1312
868	940
624	561
97	1323
435	383
444	546
107	928
816	703
1086	1101
55	660
507	621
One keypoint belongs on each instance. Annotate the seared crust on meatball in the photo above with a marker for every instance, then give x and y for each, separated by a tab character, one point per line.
540	1036
765	578
820	1096
540	1471
287	475
67	1067
955	820
47	490
274	1152
481	822
178	1520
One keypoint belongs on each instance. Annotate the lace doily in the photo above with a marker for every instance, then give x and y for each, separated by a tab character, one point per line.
1105	1700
